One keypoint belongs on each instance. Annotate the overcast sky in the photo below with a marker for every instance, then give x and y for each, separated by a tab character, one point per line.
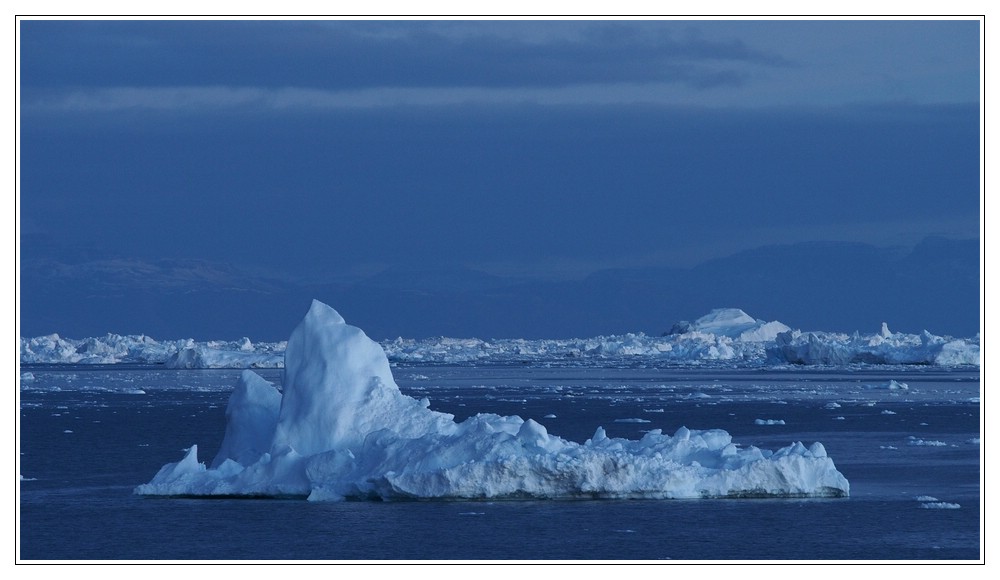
333	149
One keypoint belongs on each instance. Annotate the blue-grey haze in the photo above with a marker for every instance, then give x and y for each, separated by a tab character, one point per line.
207	178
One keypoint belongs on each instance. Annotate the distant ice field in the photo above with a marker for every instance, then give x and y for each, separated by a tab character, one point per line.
723	338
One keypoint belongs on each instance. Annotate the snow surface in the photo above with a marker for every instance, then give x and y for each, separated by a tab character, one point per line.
342	429
726	336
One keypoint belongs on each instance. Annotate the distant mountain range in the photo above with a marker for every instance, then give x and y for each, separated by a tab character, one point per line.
819	285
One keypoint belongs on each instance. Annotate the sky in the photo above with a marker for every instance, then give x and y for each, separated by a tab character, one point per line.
332	151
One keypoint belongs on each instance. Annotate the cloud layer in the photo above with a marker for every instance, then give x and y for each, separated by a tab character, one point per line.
187	65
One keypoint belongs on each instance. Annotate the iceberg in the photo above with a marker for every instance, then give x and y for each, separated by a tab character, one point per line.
341	429
734	323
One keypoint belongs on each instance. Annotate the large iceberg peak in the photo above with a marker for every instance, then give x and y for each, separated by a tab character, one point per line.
338	388
320	311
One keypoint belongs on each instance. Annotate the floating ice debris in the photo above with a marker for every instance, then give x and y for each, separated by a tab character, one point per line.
911	440
341	429
632	420
926	498
973	441
769	422
27	377
839	418
888	412
892	385
549	416
940	505
832	405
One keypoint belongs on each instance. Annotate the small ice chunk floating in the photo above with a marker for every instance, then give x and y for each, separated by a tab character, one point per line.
341	429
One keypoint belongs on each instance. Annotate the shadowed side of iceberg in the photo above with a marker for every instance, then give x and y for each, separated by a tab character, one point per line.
342	429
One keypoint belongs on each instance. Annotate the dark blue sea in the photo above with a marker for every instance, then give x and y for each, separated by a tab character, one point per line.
89	435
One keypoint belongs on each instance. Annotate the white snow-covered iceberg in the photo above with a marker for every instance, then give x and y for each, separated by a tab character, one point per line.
736	324
342	429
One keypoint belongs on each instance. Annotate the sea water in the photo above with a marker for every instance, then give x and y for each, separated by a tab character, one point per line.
911	451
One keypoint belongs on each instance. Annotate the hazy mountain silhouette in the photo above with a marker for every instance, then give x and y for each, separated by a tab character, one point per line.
811	286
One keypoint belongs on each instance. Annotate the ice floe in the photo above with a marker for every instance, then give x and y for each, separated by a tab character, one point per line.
933	503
